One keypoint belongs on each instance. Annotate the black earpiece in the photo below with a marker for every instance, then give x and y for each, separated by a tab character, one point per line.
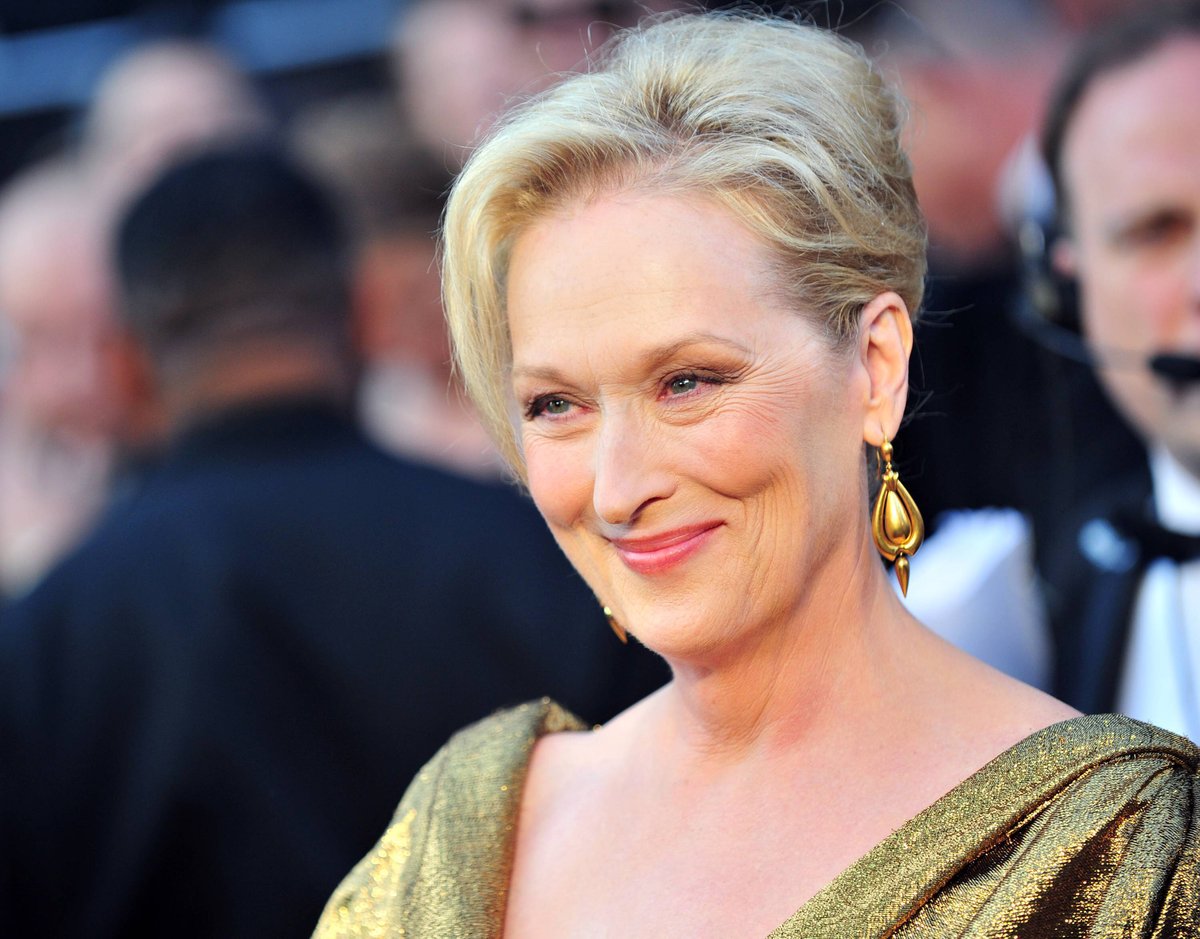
1048	310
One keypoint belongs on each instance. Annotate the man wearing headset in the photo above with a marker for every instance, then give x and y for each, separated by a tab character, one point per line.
1122	141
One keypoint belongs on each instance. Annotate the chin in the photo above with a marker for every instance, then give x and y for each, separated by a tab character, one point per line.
684	635
1187	452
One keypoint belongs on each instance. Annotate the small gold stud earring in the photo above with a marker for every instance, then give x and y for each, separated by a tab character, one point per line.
616	627
896	522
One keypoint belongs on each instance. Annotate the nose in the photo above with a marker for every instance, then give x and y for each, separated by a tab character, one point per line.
631	466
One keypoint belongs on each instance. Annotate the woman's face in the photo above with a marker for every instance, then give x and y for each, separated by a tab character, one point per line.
694	444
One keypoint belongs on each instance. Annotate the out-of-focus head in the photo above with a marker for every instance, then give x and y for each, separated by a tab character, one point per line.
461	62
975	72
786	128
232	256
56	305
162	100
1122	139
390	183
393	189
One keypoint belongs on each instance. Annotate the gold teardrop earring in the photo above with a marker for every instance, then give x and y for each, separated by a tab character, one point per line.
616	627
896	522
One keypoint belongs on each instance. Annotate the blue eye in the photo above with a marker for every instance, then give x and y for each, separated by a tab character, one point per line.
683	384
556	406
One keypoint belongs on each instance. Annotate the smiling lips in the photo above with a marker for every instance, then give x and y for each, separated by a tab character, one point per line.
659	553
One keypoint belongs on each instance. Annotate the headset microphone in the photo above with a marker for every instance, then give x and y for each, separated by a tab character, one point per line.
1048	314
1179	370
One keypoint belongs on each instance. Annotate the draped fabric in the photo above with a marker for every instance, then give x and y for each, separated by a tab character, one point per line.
1089	828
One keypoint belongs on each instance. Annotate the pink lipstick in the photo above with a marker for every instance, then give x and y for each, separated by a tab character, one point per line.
655	554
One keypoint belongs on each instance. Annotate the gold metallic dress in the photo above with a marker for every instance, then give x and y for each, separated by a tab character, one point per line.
1089	828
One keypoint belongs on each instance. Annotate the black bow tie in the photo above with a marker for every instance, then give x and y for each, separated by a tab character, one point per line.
1154	540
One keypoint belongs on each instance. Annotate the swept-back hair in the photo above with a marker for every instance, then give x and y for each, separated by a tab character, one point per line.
787	126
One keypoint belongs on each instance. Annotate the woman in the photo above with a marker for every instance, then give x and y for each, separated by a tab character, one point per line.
691	274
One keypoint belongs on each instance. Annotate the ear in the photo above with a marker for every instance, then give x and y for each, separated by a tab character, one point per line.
885	343
144	416
1064	258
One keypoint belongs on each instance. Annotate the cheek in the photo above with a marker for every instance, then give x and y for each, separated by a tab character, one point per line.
1132	306
559	480
742	452
560	483
785	447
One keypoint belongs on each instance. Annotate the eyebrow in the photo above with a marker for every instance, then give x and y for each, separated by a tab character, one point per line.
649	359
1121	227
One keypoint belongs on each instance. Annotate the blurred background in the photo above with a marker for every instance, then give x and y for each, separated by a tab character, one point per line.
53	55
382	98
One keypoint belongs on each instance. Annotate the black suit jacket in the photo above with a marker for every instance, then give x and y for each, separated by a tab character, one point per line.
208	712
1091	574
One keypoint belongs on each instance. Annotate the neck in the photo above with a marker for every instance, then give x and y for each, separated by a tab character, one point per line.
257	373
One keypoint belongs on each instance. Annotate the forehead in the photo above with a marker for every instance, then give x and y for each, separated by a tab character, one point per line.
633	256
1137	122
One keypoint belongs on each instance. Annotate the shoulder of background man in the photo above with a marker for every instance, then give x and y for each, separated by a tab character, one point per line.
1089	575
1081	544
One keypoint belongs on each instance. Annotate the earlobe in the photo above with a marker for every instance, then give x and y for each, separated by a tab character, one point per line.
1064	259
144	419
886	343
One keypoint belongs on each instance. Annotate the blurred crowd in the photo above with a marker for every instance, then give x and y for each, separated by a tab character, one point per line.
976	75
1004	433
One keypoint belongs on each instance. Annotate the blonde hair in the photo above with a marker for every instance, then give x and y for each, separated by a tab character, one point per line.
787	126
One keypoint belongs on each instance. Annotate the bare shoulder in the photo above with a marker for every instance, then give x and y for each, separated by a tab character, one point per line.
1025	708
566	769
991	707
563	820
964	712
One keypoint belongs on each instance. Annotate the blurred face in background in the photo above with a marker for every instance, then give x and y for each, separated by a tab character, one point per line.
1131	166
461	62
58	329
161	101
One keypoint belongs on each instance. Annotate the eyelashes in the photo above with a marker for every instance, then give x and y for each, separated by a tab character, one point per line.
551	404
678	385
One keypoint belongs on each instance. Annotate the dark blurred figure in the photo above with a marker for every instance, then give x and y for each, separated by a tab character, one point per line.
1122	140
974	73
207	710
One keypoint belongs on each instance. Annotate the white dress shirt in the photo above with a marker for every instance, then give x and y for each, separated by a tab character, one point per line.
1160	679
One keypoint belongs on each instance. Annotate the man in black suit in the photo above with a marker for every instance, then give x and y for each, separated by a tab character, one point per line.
1122	141
208	712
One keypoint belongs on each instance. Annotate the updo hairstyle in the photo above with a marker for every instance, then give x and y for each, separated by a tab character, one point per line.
787	126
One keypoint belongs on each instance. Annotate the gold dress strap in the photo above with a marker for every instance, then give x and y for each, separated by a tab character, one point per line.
443	866
1089	828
